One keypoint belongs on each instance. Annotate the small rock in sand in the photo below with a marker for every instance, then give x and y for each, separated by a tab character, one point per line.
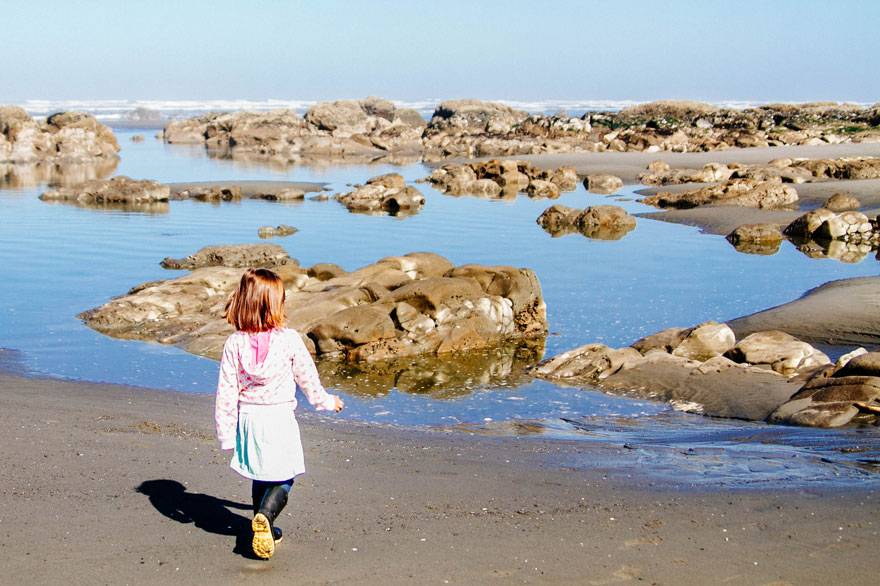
842	202
603	183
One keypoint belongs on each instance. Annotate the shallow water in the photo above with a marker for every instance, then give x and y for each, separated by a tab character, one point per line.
60	260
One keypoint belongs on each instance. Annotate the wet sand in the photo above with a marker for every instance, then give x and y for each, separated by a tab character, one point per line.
629	165
250	188
845	313
725	219
107	484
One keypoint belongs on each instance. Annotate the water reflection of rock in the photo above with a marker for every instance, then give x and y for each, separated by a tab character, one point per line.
149	208
444	377
848	252
26	175
283	163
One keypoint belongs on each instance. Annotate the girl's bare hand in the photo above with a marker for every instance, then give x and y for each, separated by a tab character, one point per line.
339	406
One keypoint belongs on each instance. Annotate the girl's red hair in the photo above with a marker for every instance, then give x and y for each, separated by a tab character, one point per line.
258	303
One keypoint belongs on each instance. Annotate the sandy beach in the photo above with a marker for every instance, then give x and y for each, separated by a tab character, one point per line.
249	188
123	485
607	328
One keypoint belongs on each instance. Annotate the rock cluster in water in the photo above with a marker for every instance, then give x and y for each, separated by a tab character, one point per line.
387	193
847	236
757	238
824	225
604	222
146	195
231	256
417	304
70	137
471	128
276	231
116	190
496	178
765	375
336	129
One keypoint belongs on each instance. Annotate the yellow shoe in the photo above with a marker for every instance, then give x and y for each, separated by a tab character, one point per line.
264	541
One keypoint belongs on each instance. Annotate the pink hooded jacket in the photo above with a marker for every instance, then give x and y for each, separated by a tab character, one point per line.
264	369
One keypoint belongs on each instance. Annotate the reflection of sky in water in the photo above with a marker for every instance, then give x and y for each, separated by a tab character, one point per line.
60	260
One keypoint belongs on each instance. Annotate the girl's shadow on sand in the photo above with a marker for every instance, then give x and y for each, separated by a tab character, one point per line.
206	512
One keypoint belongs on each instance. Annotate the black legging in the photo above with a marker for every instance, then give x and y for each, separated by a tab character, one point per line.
259	488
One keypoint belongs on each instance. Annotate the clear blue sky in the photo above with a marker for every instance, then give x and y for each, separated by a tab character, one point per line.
193	49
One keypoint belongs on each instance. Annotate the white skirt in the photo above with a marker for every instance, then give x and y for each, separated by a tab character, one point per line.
267	442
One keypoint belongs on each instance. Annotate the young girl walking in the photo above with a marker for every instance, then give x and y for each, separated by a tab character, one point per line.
263	363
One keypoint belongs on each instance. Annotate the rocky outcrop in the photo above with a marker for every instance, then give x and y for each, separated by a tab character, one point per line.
117	190
503	178
739	192
286	194
784	170
824	225
276	231
705	341
847	392
280	191
604	222
66	137
384	194
210	193
757	238
703	368
842	202
779	351
660	173
844	168
234	255
603	184
336	129
144	195
473	128
418	304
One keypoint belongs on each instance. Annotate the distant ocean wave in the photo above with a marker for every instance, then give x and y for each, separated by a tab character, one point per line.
154	111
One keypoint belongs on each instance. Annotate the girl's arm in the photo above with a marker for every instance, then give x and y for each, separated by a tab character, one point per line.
306	376
226	401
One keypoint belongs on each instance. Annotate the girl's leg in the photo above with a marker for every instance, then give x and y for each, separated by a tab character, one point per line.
265	533
258	491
